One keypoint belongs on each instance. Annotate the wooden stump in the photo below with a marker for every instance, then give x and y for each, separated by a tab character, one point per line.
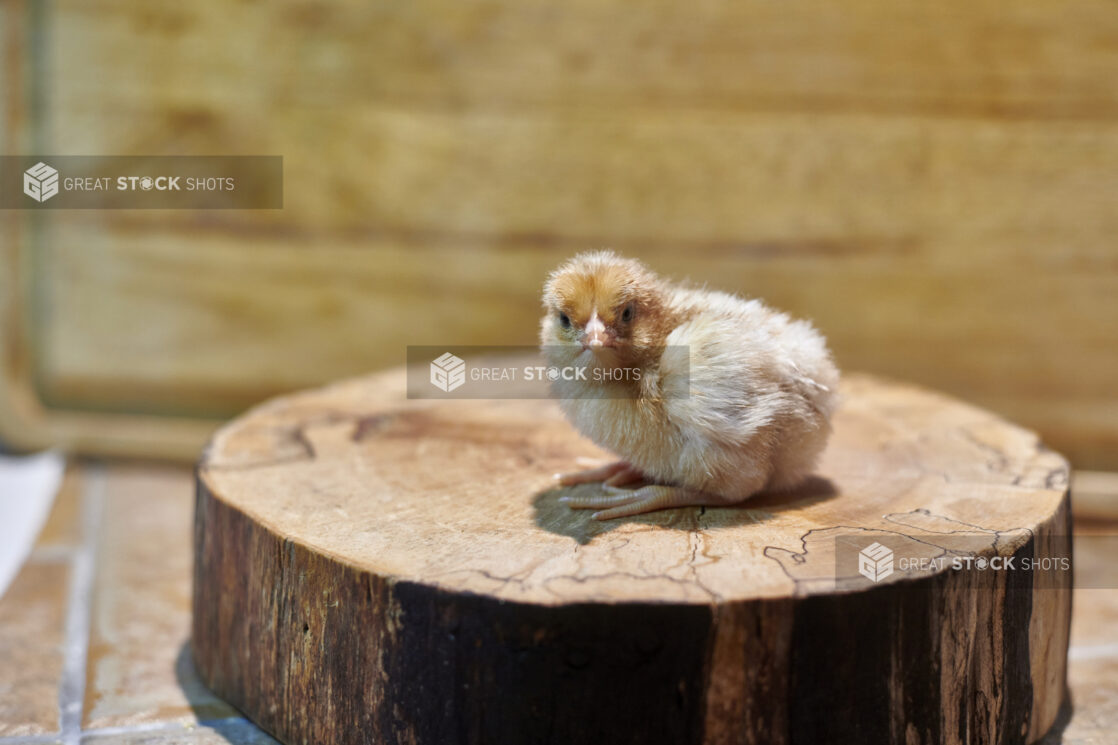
376	569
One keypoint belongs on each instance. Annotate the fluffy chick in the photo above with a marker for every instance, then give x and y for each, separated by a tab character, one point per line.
708	398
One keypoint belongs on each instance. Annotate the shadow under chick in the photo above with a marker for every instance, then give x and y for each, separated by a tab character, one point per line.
556	517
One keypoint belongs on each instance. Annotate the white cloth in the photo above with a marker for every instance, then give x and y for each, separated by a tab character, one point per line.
28	485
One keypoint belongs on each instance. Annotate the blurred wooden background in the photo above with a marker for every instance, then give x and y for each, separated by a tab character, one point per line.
934	184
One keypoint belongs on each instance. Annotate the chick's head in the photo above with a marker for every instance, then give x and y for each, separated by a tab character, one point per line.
606	306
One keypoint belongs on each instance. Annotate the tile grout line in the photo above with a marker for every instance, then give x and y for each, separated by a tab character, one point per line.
71	693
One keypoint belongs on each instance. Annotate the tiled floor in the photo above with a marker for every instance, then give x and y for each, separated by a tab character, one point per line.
93	632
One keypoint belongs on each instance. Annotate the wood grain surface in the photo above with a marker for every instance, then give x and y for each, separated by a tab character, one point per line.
374	567
931	184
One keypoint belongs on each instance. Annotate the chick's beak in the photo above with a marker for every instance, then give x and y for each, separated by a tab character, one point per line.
596	335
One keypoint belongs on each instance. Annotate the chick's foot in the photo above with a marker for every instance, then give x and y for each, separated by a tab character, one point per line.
626	502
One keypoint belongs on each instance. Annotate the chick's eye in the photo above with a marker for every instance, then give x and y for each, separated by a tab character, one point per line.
564	321
627	314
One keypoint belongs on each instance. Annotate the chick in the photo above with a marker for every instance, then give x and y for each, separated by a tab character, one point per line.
707	398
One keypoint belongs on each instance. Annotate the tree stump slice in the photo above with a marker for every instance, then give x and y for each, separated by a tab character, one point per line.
376	569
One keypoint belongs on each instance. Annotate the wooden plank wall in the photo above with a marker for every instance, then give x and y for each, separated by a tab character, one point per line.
933	184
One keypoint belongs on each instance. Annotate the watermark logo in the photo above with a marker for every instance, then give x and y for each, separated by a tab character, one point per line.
875	562
57	182
40	182
920	543
532	372
448	372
